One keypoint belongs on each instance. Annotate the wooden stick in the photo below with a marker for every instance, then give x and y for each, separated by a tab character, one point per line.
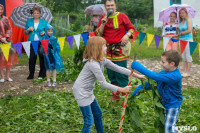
125	101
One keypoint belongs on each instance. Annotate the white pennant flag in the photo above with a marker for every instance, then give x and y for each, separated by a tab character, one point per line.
165	42
26	46
77	40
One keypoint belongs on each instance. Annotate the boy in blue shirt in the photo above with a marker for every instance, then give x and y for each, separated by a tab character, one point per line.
169	85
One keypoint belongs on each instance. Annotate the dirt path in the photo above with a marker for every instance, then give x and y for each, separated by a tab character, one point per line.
22	86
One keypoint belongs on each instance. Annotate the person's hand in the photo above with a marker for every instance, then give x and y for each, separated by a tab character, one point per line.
136	90
141	77
4	40
125	89
124	40
42	33
104	20
30	29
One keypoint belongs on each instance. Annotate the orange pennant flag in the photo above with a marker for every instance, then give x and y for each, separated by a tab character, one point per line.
45	45
183	44
135	35
92	34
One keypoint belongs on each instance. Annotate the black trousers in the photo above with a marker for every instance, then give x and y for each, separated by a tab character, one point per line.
32	62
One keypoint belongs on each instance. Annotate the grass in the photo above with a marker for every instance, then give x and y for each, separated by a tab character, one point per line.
58	112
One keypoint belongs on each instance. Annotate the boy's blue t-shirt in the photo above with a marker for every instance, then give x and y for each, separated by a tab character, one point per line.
169	84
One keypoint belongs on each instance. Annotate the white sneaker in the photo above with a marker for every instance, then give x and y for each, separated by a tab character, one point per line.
39	77
48	83
2	80
54	83
9	80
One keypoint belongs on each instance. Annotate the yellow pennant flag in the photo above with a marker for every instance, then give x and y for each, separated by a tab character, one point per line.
149	38
199	49
61	41
5	49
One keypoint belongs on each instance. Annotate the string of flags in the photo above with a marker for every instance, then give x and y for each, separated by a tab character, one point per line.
26	45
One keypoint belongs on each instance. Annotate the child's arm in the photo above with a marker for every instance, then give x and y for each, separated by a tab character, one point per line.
140	87
167	78
96	70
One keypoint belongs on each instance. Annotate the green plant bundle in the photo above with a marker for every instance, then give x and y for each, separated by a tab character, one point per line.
135	113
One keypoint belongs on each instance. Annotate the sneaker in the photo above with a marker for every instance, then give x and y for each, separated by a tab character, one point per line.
30	77
2	80
54	83
48	83
9	80
184	75
40	78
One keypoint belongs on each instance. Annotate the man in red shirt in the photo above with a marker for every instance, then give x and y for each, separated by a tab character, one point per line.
113	28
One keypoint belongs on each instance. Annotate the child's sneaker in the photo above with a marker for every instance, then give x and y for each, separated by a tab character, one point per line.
54	83
2	80
48	83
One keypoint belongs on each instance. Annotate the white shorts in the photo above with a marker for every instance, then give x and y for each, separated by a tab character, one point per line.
186	53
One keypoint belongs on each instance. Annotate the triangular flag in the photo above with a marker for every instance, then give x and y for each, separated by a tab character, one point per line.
135	35
85	37
165	42
149	38
183	44
199	49
45	44
70	41
92	34
35	46
18	48
157	40
61	41
174	40
5	49
141	37
77	40
192	45
27	46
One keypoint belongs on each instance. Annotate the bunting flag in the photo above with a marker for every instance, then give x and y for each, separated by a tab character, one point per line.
61	41
45	44
192	45
183	44
18	48
35	46
85	37
141	37
149	38
27	46
70	41
135	35
199	49
77	40
174	40
165	42
157	40
5	49
92	34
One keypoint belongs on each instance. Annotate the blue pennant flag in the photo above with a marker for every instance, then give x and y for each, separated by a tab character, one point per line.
174	40
35	46
193	45
85	37
141	37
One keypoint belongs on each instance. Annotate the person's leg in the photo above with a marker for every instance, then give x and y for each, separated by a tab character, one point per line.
171	116
32	62
48	77
2	75
175	46
189	65
87	117
42	72
54	77
97	114
188	59
8	74
169	45
122	80
112	78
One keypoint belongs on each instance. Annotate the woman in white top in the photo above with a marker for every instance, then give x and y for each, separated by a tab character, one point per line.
35	28
169	30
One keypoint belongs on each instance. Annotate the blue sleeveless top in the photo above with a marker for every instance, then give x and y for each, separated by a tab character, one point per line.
183	28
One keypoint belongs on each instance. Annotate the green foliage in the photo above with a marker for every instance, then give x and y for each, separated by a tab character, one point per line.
78	54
